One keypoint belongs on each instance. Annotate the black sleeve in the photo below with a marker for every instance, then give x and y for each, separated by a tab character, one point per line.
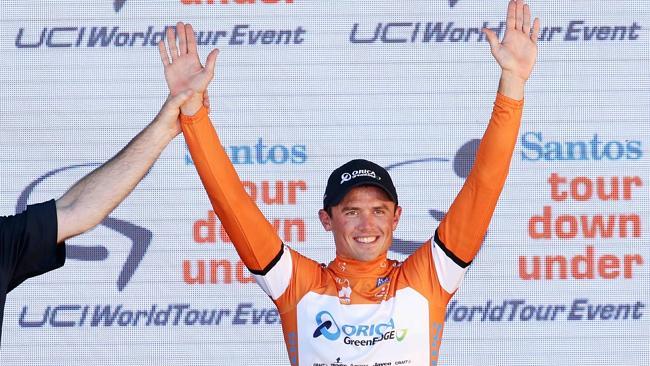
28	244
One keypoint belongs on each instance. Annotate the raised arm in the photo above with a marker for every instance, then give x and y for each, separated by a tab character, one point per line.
461	232
93	197
254	237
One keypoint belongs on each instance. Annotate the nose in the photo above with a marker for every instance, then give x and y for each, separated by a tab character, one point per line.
366	222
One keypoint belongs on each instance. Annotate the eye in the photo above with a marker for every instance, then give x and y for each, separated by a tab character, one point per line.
380	211
351	213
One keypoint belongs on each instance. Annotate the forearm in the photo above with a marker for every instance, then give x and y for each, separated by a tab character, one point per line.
463	228
93	197
497	145
254	238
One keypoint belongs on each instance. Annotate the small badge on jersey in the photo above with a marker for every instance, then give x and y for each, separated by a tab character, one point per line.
345	292
382	281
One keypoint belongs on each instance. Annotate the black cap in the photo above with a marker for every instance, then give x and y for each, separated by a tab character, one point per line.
356	173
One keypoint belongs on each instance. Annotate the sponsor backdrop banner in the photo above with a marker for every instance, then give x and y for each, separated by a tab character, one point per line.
301	87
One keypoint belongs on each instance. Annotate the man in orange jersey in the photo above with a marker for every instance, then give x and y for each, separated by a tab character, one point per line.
362	308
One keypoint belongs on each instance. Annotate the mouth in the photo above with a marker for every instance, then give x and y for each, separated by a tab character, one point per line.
365	240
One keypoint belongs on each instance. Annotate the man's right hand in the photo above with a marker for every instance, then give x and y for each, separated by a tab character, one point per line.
183	69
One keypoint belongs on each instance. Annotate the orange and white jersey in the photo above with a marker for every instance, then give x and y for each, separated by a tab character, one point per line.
381	312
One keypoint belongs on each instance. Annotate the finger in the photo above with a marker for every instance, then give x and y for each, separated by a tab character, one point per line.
180	98
182	43
206	101
191	39
519	15
510	18
164	57
492	38
526	28
211	61
535	34
171	43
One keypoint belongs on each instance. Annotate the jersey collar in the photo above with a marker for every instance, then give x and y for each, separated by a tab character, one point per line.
350	267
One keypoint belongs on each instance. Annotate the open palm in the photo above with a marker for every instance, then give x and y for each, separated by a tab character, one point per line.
183	69
517	53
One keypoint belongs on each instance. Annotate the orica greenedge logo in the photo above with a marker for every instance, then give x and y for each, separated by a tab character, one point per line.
359	334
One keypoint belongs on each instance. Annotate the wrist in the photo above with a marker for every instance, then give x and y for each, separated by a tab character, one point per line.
193	105
512	85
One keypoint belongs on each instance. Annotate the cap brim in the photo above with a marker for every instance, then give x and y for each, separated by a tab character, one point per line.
337	199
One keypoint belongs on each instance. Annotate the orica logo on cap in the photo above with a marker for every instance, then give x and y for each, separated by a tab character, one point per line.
358	173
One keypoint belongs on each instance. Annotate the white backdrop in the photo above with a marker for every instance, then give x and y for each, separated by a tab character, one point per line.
301	87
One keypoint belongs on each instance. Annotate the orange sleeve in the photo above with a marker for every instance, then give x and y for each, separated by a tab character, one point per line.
254	237
461	232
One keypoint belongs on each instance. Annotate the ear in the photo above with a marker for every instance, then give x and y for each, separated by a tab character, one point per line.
398	214
325	219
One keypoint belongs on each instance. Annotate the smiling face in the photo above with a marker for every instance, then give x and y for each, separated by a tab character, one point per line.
362	223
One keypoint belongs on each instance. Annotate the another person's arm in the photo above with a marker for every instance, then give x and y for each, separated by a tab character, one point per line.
28	240
28	245
94	196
